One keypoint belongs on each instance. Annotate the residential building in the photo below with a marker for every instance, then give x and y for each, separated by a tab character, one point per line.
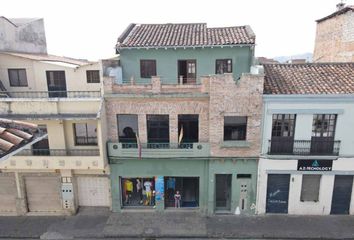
67	169
26	35
184	114
307	160
335	36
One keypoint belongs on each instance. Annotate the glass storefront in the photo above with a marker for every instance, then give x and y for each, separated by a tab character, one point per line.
138	192
187	188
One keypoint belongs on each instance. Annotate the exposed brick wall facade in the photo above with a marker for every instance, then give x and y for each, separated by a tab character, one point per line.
219	96
335	39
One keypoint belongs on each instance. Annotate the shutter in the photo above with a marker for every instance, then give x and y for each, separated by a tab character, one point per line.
93	191
310	187
43	194
7	194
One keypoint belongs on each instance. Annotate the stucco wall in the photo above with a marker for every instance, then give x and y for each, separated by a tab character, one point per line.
167	61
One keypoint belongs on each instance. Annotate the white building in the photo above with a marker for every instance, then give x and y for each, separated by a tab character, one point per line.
307	159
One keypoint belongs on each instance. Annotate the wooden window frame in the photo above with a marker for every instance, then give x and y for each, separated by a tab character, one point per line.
146	72
91	76
87	137
17	70
223	60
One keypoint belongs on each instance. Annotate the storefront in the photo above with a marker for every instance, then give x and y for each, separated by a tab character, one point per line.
312	187
204	185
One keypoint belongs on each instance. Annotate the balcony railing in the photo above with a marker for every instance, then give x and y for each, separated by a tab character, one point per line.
59	152
158	150
50	94
85	140
318	147
159	145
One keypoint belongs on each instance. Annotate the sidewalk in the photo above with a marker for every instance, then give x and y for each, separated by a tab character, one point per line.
96	223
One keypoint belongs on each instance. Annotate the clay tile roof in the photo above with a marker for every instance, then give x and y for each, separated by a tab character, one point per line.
336	13
183	35
15	134
310	78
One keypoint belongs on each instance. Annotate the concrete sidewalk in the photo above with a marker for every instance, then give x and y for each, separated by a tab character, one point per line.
96	223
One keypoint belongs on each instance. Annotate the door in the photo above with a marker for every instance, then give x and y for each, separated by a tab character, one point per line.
342	192
277	193
323	131
7	193
223	192
93	191
43	194
187	70
283	129
56	83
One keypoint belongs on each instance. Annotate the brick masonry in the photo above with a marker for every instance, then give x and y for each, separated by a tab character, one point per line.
335	39
219	96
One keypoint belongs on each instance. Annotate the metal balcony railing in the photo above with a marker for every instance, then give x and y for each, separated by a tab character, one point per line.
159	145
316	147
59	152
85	140
50	94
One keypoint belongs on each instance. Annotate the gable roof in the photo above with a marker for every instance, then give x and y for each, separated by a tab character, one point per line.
336	13
14	135
309	78
183	35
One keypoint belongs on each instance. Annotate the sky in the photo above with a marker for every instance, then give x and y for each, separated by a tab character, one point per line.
89	29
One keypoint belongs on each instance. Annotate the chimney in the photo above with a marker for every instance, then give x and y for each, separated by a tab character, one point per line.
340	5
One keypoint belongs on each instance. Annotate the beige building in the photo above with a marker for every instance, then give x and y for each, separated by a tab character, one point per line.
335	36
68	169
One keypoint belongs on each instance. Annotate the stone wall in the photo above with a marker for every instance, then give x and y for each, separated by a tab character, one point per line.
335	39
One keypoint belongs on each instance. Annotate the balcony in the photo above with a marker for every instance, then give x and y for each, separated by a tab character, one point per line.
50	94
158	150
59	152
318	147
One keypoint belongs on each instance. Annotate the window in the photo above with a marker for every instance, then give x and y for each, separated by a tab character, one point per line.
188	128
93	76
310	187
127	127
17	77
41	147
223	66
283	125
323	125
158	129
235	128
85	134
147	68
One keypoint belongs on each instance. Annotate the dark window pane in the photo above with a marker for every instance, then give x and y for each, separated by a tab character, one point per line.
17	77
147	68
158	128
127	127
85	134
188	128
235	128
223	66
93	76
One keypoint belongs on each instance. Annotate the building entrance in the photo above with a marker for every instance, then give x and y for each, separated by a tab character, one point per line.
138	192
188	189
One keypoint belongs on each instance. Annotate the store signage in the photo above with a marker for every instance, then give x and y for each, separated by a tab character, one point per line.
159	188
314	165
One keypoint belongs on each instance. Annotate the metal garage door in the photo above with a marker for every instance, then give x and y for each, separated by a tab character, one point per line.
7	194
93	191
342	192
43	194
277	193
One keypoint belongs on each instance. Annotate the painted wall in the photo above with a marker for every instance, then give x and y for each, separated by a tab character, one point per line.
167	61
342	166
36	74
203	168
28	38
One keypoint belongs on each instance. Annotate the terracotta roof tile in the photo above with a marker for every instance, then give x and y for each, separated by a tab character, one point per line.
183	35
15	134
310	78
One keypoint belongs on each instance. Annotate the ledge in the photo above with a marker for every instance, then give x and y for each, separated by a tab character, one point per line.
235	144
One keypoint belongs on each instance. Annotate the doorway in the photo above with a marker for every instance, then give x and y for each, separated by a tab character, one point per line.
56	84
283	129
223	192
342	192
277	193
187	70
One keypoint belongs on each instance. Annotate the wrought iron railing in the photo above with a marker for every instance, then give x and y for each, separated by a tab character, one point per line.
304	147
59	152
159	145
85	140
50	94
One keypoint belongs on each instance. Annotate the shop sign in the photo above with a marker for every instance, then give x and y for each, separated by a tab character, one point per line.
314	165
159	188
